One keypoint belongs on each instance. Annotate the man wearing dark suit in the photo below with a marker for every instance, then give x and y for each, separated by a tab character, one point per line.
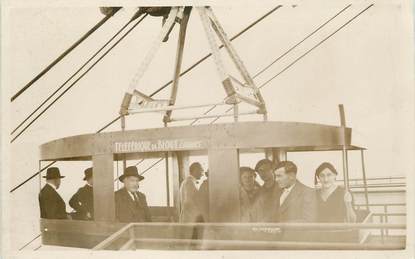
269	193
83	200
51	203
130	204
297	201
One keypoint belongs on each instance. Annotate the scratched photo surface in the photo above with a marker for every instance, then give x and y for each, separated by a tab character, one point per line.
272	126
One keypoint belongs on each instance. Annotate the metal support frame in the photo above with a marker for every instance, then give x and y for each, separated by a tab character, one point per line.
211	26
211	116
235	58
210	22
172	107
175	12
179	59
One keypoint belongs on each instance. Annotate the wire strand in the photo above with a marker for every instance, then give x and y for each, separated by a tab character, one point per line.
28	243
71	77
306	53
281	56
66	52
79	78
158	90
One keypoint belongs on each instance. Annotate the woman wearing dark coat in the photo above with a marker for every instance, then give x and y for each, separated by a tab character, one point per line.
334	203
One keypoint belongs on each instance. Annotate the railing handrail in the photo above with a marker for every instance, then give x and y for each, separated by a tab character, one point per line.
381	204
112	237
226	244
260	226
375	178
296	225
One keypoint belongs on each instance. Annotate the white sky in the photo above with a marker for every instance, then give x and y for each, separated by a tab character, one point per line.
366	67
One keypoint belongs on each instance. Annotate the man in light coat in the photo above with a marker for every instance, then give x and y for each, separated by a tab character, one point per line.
189	195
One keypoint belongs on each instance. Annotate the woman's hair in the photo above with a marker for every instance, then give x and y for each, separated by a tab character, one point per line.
321	168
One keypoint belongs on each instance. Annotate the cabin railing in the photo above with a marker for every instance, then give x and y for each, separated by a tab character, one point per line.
131	241
385	215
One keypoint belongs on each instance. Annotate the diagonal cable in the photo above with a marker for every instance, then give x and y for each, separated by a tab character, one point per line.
79	78
306	53
283	54
158	90
66	52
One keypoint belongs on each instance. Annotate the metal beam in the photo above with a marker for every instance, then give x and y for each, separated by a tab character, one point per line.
171	107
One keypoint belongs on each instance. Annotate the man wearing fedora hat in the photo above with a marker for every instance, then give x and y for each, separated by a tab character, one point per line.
130	204
51	203
83	200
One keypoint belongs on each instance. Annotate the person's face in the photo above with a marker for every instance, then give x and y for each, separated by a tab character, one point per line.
57	182
131	183
266	173
89	181
247	180
198	172
327	178
283	178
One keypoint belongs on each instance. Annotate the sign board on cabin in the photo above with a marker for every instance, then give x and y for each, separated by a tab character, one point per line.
157	145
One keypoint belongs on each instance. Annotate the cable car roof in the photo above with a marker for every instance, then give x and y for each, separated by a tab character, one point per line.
247	136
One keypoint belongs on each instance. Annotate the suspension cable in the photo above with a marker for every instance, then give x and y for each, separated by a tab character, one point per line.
72	76
66	52
80	77
282	55
161	88
28	243
307	52
287	67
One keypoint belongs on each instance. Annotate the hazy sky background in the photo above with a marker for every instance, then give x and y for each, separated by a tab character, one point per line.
364	66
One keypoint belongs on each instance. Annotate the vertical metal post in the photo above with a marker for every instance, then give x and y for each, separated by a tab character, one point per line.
364	179
131	232
345	168
124	161
224	200
179	59
104	202
118	175
235	112
40	175
382	230
344	150
166	158
385	209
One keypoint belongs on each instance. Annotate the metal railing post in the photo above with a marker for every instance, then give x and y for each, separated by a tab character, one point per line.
385	209
364	179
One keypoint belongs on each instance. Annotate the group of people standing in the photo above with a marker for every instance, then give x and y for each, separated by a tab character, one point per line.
281	197
130	204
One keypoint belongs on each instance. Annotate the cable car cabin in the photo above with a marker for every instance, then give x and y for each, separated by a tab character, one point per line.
222	144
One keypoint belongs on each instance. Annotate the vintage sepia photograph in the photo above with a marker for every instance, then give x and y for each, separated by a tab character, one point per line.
257	127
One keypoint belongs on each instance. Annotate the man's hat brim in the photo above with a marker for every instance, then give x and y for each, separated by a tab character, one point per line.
62	176
122	177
